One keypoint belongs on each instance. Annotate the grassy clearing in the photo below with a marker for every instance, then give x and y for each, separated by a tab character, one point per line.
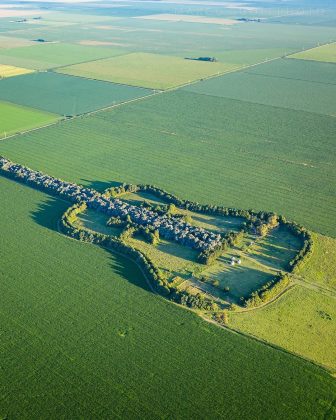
325	53
321	266
50	55
170	257
15	118
148	70
98	333
95	221
275	89
65	95
302	321
11	71
251	155
260	259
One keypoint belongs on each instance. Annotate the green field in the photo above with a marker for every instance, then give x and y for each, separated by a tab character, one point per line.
86	321
11	42
325	53
51	55
321	268
251	155
83	334
301	321
277	88
15	118
65	95
261	259
148	70
307	71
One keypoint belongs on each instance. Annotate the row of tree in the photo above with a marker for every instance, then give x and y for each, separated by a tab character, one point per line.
71	228
268	291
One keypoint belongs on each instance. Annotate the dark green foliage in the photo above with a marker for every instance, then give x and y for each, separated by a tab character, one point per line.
268	292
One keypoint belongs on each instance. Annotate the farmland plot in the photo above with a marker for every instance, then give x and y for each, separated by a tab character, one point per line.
66	95
302	321
251	155
148	70
275	88
325	53
92	324
14	118
54	54
11	71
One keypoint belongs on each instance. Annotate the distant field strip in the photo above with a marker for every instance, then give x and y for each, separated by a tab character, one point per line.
148	70
325	53
49	55
301	70
12	42
64	94
251	155
11	71
15	118
278	87
189	19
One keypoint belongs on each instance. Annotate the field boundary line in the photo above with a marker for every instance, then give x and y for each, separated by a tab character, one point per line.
309	49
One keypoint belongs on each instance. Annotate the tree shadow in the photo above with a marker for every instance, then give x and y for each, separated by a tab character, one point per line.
100	186
48	214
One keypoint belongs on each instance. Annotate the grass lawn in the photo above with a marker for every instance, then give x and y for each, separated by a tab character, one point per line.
302	321
65	95
92	340
148	70
325	53
50	55
15	118
320	268
259	263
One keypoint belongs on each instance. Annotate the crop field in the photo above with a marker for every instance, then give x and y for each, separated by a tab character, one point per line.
307	71
301	321
277	88
66	95
321	270
258	162
148	70
11	42
50	55
324	53
11	71
108	311
92	324
15	118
